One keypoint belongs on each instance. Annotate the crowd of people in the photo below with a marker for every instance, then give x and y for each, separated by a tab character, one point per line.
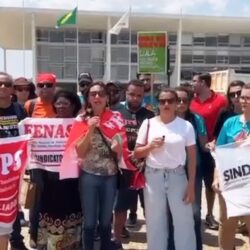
169	138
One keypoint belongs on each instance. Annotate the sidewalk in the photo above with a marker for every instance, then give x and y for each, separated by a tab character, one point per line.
137	240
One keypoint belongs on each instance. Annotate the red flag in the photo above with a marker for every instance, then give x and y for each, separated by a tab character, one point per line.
13	156
111	124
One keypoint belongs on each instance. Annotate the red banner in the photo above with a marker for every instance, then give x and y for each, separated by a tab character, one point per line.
112	124
13	156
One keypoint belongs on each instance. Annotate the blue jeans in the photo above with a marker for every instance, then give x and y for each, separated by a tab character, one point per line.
97	199
165	189
197	215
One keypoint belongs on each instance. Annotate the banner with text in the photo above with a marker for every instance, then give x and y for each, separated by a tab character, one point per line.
49	137
13	156
152	53
233	163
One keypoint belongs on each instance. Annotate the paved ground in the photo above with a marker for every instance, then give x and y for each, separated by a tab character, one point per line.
138	236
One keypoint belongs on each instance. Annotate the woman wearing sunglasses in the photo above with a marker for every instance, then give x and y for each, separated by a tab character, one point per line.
99	147
233	108
183	111
167	143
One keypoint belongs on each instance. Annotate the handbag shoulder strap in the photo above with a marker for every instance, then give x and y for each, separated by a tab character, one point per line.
148	126
112	154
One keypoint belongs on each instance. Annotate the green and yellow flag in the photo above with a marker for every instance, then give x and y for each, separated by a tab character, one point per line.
69	18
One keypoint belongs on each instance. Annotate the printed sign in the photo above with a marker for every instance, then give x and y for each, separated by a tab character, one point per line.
233	163
13	155
49	137
152	53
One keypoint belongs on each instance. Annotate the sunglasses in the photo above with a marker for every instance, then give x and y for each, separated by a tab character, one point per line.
167	100
6	84
183	100
99	93
47	85
22	88
235	94
84	84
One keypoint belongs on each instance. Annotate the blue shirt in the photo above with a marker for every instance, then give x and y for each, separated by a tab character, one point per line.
148	105
233	130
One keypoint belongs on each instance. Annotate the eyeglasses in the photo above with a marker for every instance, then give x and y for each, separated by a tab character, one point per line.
47	85
168	100
183	100
22	88
6	84
145	80
62	104
235	94
245	98
99	93
83	83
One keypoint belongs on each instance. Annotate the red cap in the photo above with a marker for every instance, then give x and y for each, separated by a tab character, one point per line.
46	78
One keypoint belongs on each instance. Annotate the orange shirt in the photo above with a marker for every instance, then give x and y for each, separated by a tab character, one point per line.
41	109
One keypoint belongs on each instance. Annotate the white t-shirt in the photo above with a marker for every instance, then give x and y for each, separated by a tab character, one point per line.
178	135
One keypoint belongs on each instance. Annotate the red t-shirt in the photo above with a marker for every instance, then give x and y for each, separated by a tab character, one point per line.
209	110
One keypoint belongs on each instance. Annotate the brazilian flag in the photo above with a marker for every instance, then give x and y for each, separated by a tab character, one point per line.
69	18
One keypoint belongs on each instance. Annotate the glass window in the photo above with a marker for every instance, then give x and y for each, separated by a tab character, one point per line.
56	54
84	37
234	59
42	66
223	40
199	41
97	70
245	59
119	72
84	55
134	57
186	58
70	36
211	41
70	70
134	38
56	36
172	58
123	38
97	37
246	41
42	51
113	39
84	67
57	69
198	59
210	59
70	53
42	35
97	54
120	55
222	59
172	39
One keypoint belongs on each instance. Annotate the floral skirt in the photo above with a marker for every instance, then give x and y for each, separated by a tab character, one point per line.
60	223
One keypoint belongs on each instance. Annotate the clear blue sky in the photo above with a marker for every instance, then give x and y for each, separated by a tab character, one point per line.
199	7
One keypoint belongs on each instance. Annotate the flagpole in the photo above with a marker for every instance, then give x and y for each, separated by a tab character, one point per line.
130	45
33	32
179	51
108	52
23	39
77	48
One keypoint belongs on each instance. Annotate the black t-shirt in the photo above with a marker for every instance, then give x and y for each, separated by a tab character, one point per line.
133	121
9	118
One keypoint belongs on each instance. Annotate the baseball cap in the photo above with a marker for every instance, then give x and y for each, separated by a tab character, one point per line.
85	77
46	78
20	81
111	83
